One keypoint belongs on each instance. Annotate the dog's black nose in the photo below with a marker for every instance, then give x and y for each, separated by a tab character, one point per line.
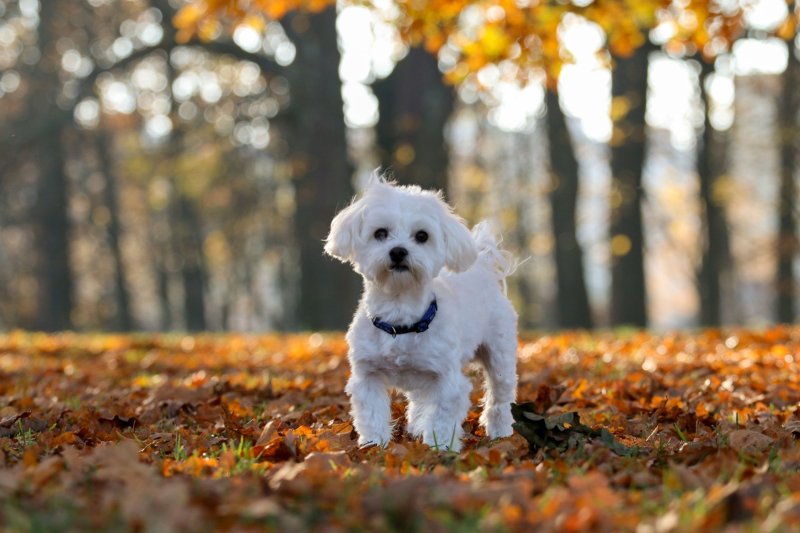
397	254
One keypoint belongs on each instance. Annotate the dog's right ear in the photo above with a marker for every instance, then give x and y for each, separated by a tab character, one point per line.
345	228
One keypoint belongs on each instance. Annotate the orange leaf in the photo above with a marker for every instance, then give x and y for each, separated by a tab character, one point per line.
30	457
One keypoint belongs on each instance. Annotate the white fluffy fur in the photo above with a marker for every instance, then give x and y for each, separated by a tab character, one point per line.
475	320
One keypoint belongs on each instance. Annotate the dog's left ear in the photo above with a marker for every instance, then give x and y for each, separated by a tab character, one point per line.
340	242
460	248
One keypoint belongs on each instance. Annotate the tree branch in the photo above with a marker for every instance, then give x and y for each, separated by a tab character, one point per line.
229	48
25	130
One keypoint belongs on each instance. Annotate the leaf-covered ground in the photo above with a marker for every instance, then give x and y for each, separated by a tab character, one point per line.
243	433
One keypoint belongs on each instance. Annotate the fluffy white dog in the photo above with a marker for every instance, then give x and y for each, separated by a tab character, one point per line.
433	301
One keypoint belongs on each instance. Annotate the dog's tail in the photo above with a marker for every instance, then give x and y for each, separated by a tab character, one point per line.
490	255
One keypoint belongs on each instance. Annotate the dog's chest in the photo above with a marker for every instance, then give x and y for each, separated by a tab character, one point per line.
404	361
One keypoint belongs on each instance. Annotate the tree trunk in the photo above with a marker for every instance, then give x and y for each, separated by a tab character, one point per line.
629	100
414	105
164	301
790	144
572	299
715	242
55	291
192	262
52	236
124	321
321	171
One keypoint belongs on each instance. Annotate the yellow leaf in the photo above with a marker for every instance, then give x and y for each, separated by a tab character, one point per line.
187	17
788	29
620	105
256	22
315	6
274	9
494	41
209	29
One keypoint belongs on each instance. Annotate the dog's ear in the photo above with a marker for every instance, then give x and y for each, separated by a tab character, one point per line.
460	249
345	227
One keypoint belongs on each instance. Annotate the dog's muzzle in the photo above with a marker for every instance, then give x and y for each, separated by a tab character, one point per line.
398	255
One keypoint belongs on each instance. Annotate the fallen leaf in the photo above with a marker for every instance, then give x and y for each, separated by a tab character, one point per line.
561	432
748	441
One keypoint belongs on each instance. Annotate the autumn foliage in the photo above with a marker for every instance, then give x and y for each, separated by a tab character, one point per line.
524	33
238	432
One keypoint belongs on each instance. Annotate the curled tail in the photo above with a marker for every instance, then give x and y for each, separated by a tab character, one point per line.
498	261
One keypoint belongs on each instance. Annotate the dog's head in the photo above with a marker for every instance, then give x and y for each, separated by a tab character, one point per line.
397	236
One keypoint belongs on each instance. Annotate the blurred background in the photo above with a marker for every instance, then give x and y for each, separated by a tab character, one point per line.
175	165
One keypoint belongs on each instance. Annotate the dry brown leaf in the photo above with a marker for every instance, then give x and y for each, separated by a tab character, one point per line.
749	442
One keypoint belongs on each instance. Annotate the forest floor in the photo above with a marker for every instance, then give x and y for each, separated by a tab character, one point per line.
689	431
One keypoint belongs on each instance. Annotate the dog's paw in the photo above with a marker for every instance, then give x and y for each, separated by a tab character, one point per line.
498	421
499	432
454	446
381	439
444	440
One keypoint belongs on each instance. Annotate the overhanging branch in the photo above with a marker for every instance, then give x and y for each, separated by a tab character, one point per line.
25	130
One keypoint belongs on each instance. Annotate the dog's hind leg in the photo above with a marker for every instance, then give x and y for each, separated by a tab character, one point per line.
498	356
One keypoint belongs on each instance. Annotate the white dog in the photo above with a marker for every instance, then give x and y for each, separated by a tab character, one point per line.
418	325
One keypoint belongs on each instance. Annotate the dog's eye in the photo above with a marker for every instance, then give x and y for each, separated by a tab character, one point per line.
381	234
421	236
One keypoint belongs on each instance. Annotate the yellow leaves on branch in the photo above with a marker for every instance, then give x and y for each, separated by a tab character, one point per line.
205	18
707	27
523	32
202	19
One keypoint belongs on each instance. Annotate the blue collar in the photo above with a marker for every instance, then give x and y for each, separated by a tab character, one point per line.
417	327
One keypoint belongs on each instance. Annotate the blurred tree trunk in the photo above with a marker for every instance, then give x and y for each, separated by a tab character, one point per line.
321	170
124	321
185	231
715	259
160	241
51	219
414	105
573	302
529	303
164	301
790	144
192	261
629	101
52	236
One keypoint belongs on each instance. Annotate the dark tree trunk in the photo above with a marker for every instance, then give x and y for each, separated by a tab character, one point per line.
572	299
164	302
787	248
124	321
414	105
192	262
629	100
322	173
186	234
715	242
55	291
52	236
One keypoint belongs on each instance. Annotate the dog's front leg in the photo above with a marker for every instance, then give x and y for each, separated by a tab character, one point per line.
370	407
442	410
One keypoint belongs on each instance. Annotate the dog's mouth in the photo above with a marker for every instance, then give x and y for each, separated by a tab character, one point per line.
398	267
